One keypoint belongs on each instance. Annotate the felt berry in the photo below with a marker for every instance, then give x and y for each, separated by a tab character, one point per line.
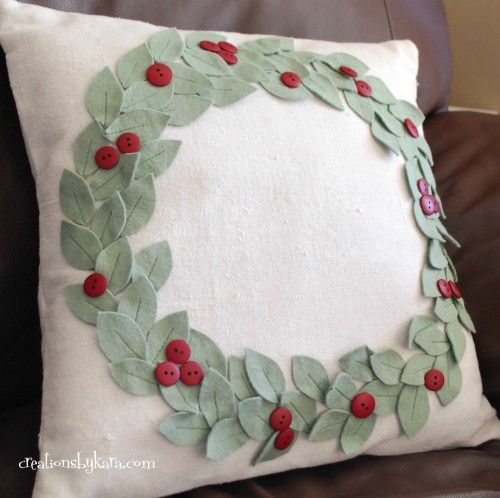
363	405
444	288
178	351
228	47
209	46
167	373
411	128
348	71
434	379
95	285
423	186
429	204
107	157
280	419
290	79
192	373
229	57
364	88
455	289
128	143
159	74
284	439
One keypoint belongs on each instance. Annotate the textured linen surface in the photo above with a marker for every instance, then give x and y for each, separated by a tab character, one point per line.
291	232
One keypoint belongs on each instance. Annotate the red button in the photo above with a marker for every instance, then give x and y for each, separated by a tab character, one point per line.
178	351
434	379
348	71
209	46
455	289
280	419
291	80
284	439
167	373
95	285
229	57
362	405
429	204
228	47
364	89
411	128
444	287
107	157
128	142
159	74
423	186
192	373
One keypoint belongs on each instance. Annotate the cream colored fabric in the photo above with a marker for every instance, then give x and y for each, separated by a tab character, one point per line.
291	232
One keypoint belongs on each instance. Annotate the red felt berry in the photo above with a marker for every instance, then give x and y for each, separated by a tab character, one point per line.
284	439
444	288
229	57
128	143
95	285
411	128
228	47
192	373
107	157
423	186
159	74
209	46
455	289
167	373
429	204
290	79
348	71
280	419
363	405
364	88
178	351
434	379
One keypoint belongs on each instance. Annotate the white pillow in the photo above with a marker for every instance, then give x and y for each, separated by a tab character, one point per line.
292	233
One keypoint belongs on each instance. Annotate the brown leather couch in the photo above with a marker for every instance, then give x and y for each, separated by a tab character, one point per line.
466	147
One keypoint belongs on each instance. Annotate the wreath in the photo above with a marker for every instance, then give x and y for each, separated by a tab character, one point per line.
111	195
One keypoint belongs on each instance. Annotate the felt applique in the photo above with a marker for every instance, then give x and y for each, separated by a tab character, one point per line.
110	195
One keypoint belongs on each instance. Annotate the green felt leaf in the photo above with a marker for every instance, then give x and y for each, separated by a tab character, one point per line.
362	106
217	400
340	59
170	327
116	263
427	225
79	245
283	63
341	81
134	376
207	352
187	80
85	147
437	257
444	232
182	398
357	364
322	87
185	429
147	123
426	169
452	376
303	409
413	175
75	198
270	452
166	45
424	148
386	397
418	323
120	337
85	307
254	414
465	318
267	45
329	425
139	198
433	341
388	120
304	57
445	309
104	97
108	221
238	377
403	110
249	72
193	39
356	432
310	377
226	437
265	375
384	136
108	181
139	303
416	368
413	409
155	263
132	66
429	278
156	157
451	266
276	87
143	95
341	393
456	337
380	91
184	109
228	90
387	365
206	62
408	146
255	58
